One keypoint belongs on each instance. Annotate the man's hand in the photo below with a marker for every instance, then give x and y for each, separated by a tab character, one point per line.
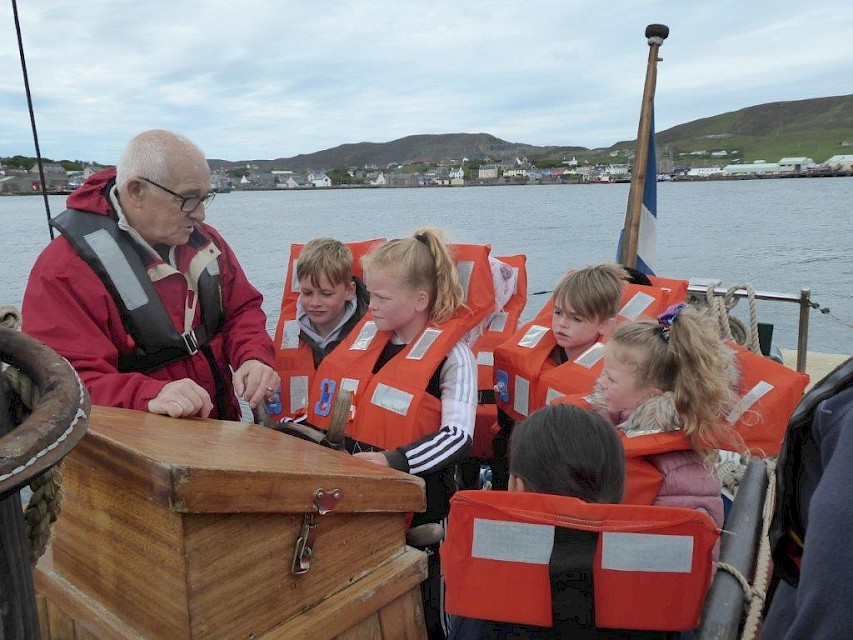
376	457
181	399
254	381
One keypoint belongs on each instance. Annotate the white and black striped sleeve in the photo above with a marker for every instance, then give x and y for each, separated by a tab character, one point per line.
450	444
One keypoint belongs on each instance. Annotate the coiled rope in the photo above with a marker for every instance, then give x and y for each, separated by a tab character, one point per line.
45	503
730	327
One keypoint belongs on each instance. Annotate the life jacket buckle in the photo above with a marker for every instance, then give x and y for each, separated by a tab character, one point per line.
190	342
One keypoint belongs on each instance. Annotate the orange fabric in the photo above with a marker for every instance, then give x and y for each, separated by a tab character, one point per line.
763	424
641	302
483	349
642	478
293	358
495	334
676	289
540	375
355	357
525	363
488	588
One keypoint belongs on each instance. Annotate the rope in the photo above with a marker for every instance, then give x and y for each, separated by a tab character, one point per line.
749	592
721	307
756	593
44	505
762	563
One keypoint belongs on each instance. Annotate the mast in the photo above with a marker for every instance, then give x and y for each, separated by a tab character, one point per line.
656	34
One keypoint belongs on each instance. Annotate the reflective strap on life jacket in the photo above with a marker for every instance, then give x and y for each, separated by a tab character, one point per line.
639	301
392	399
769	392
298	393
575	376
290	335
651	566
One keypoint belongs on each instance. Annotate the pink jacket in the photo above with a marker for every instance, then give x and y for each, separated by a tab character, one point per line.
686	481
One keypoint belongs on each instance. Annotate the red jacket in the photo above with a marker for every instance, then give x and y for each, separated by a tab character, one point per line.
68	307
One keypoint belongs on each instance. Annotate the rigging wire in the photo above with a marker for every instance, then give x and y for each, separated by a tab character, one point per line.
32	114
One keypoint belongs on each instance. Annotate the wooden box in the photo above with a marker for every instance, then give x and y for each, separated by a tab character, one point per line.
187	529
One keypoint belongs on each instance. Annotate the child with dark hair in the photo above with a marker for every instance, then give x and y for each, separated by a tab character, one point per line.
560	450
566	451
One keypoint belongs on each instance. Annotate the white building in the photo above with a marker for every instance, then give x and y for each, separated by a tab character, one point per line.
751	168
840	163
795	164
704	172
319	180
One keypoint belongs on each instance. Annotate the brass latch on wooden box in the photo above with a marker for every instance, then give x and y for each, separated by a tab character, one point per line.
324	501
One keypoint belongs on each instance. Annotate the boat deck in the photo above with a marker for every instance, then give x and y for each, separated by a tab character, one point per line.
818	365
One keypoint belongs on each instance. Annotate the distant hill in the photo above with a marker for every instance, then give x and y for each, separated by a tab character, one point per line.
814	128
408	150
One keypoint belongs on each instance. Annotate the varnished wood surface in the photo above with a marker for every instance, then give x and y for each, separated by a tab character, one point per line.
211	466
384	605
123	550
244	560
63	607
355	612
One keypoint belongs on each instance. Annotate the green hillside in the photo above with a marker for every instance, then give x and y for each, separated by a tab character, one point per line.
813	128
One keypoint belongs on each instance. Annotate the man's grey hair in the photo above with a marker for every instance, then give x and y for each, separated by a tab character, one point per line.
149	153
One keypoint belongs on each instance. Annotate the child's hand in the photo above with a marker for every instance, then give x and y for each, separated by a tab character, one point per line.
376	457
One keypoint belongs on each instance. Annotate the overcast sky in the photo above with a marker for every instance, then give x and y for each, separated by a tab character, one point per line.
258	79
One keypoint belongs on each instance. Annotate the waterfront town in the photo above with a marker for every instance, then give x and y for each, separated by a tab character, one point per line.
17	180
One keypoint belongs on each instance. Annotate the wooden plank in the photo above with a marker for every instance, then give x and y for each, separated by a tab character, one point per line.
245	560
403	618
367	629
82	634
61	624
224	467
122	550
44	622
52	588
334	615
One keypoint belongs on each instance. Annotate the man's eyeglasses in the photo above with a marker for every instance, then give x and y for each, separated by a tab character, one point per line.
188	203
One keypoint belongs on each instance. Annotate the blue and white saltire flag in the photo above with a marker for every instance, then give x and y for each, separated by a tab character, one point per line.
647	243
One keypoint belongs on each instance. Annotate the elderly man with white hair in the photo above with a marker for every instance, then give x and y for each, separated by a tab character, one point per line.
146	301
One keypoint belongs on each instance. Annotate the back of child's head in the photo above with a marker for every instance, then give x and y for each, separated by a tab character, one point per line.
424	263
564	450
683	353
325	257
594	293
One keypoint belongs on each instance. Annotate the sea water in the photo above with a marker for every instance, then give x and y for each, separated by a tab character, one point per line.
779	235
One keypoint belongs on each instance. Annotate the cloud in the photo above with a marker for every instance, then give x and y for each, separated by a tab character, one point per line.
253	80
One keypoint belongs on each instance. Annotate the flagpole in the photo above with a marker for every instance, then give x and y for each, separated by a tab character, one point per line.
656	34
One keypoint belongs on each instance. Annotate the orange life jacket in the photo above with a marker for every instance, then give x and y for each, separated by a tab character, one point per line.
769	393
501	327
392	407
294	361
676	289
651	566
528	379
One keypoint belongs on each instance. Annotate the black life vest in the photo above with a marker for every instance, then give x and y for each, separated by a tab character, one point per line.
121	265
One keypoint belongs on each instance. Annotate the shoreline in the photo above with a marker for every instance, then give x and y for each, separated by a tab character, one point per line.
498	183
